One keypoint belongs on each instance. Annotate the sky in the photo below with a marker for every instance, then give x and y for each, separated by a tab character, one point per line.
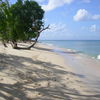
71	19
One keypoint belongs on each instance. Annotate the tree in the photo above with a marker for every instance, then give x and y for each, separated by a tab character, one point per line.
21	21
3	28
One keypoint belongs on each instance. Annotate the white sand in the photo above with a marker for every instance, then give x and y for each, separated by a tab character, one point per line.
39	74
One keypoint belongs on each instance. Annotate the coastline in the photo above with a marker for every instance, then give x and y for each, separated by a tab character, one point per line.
85	65
41	74
86	47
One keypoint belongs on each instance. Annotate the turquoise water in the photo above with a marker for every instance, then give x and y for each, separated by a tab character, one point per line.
89	47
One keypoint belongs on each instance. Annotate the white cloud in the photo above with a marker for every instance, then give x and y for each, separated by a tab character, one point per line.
52	4
86	1
56	31
93	28
82	15
57	27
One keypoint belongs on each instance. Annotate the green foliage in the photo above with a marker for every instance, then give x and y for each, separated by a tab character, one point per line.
20	21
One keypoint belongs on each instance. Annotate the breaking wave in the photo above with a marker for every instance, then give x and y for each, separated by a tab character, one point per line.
98	57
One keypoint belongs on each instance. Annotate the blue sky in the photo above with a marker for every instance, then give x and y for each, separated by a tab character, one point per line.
71	19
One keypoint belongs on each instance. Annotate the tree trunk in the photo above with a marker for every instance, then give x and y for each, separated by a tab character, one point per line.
33	43
14	45
3	42
38	37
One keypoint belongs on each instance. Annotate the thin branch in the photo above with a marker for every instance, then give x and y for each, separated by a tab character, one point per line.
44	29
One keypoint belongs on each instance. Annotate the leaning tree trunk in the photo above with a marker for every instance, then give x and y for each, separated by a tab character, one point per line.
38	36
14	44
3	42
34	41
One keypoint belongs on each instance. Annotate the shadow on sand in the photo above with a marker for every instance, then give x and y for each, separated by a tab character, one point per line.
19	89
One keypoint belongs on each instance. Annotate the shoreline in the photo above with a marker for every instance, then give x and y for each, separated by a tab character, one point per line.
40	74
82	64
73	50
91	70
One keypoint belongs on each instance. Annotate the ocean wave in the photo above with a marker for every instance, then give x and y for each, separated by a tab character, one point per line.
98	57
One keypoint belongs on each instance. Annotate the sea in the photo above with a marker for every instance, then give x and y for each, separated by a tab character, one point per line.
88	47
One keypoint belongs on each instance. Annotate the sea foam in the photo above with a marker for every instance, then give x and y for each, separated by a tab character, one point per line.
98	57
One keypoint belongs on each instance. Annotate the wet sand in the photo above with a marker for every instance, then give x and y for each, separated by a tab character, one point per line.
85	65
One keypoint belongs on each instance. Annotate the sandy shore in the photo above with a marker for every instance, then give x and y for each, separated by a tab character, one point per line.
40	74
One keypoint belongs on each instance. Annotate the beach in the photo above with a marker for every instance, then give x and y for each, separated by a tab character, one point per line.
47	73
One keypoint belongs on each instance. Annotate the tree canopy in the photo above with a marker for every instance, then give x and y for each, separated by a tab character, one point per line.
20	21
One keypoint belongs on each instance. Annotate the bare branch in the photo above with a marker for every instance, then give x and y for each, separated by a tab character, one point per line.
44	29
